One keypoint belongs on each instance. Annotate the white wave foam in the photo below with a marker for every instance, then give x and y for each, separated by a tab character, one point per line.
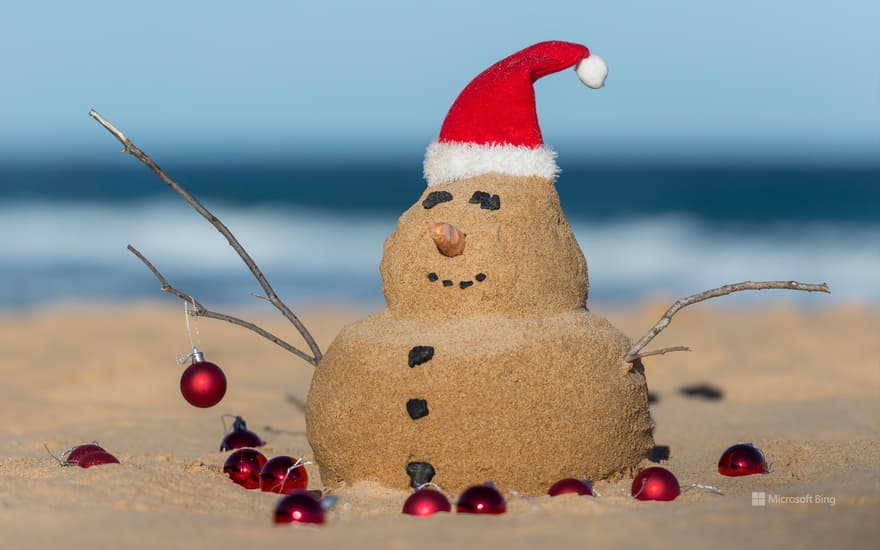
47	245
677	255
172	235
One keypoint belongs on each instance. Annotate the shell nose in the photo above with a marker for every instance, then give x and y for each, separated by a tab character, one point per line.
449	240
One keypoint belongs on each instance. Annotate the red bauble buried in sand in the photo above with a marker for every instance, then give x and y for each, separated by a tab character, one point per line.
85	456
243	467
742	459
655	483
203	384
426	502
481	499
283	474
96	458
570	486
240	437
73	455
299	507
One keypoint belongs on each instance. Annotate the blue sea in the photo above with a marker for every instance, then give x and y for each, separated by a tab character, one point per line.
317	230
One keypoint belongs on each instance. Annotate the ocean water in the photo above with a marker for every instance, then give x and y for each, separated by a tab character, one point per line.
317	231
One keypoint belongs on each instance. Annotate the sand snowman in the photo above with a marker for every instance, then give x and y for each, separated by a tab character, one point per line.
486	364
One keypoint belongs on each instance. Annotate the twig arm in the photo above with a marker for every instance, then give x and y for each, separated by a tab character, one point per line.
130	148
635	350
662	351
201	311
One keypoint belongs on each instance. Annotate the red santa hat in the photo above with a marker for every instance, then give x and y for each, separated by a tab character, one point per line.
493	125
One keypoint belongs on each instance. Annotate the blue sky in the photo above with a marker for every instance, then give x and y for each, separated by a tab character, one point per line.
284	79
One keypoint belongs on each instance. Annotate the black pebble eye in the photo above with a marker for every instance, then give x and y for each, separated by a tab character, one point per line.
485	200
436	197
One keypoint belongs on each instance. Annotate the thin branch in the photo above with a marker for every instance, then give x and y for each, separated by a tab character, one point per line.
201	311
661	351
130	148
714	293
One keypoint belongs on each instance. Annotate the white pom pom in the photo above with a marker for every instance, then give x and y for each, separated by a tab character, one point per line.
592	71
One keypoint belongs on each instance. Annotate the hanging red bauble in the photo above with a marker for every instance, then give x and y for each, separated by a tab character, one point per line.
72	456
244	466
742	459
96	458
283	474
655	483
570	486
481	499
240	437
203	384
426	502
299	507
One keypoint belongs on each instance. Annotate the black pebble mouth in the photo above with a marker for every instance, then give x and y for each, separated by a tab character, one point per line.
463	284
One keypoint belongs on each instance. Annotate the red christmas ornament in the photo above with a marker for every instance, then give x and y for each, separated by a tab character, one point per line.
655	483
299	507
284	475
481	499
426	502
96	458
72	456
203	384
244	466
570	486
742	459
240	437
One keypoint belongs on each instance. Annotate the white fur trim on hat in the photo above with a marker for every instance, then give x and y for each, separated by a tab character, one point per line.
446	162
592	71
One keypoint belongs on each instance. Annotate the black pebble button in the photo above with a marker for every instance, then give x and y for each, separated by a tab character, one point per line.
419	473
420	354
417	408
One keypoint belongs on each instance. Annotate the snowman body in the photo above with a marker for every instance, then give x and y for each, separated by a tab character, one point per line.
485	365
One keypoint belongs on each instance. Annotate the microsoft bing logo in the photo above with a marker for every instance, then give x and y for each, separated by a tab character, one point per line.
759	498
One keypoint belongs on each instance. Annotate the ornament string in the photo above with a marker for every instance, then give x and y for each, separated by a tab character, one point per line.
223	418
59	460
432	485
300	462
703	487
187	314
641	489
194	346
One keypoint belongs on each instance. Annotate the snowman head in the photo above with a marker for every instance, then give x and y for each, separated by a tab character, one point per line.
488	234
494	244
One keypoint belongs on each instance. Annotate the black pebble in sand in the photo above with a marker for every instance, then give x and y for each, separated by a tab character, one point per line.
417	408
420	354
480	277
419	473
702	391
465	284
447	282
659	453
432	277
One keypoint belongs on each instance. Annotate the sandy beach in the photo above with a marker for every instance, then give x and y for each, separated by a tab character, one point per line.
803	385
